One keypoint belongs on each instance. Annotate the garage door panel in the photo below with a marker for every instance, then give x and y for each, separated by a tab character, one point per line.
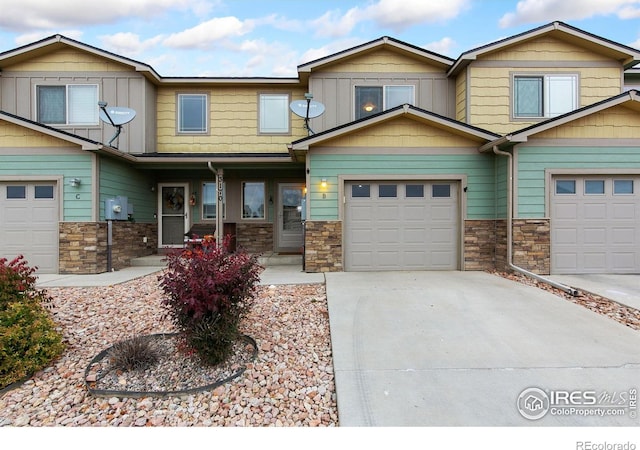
405	231
603	237
597	211
623	211
595	236
44	214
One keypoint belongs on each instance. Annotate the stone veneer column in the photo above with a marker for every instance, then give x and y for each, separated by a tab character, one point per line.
479	244
532	245
323	246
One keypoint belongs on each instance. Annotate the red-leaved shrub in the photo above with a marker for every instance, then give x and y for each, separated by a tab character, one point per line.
208	290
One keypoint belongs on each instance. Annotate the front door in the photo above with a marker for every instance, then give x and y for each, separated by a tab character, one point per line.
173	220
290	217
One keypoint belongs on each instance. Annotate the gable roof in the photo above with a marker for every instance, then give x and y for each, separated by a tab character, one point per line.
630	98
628	56
433	119
385	41
50	43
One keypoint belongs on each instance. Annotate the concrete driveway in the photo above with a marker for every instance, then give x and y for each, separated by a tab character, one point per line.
623	289
474	349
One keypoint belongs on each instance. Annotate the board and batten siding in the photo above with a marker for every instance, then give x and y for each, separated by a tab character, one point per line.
119	179
233	122
533	160
118	85
478	168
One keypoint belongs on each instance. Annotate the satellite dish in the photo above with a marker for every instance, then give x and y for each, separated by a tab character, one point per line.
116	116
299	108
307	109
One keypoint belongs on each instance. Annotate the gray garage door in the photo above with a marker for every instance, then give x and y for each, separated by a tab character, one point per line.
594	224
410	225
29	223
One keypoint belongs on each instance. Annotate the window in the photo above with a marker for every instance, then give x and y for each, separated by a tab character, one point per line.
16	192
192	113
541	96
209	200
73	104
441	191
253	200
622	187
360	191
414	190
371	100
274	113
43	191
593	187
564	187
387	191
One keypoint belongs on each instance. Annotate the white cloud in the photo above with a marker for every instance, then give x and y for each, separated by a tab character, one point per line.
208	33
443	46
336	46
528	11
391	14
27	15
401	15
128	44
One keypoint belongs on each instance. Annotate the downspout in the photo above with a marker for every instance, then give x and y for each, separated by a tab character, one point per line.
567	289
219	224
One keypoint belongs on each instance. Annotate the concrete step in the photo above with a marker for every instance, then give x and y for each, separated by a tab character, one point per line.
271	259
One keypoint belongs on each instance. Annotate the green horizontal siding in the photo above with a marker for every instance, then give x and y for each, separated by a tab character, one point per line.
77	201
533	161
119	179
479	169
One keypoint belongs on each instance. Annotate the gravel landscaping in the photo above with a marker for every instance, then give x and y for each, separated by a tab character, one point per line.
290	383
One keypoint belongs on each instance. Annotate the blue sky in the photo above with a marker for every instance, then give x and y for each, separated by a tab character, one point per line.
249	38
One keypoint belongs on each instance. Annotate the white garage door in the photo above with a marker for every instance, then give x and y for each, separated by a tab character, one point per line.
29	223
594	224
410	225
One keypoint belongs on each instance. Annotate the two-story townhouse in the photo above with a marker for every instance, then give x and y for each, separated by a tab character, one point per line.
523	151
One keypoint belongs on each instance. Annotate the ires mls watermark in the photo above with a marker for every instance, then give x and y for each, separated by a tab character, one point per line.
535	403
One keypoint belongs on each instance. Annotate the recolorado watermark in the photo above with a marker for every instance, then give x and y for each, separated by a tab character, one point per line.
589	445
535	403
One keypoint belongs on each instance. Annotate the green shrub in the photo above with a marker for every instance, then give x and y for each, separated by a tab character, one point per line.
28	338
208	290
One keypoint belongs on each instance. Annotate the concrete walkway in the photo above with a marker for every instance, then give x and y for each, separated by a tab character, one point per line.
459	349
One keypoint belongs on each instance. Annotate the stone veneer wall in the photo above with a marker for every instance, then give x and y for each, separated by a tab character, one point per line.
83	245
532	245
479	244
255	237
323	246
501	245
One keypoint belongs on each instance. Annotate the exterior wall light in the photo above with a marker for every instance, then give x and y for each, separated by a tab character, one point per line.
75	182
323	183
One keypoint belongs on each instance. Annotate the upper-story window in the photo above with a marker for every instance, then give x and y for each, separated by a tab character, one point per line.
374	99
67	104
192	113
274	114
544	96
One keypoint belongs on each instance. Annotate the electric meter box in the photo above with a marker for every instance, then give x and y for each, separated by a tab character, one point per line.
117	208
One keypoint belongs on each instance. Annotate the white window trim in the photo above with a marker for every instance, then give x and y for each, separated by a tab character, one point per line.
66	113
545	92
206	112
288	101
